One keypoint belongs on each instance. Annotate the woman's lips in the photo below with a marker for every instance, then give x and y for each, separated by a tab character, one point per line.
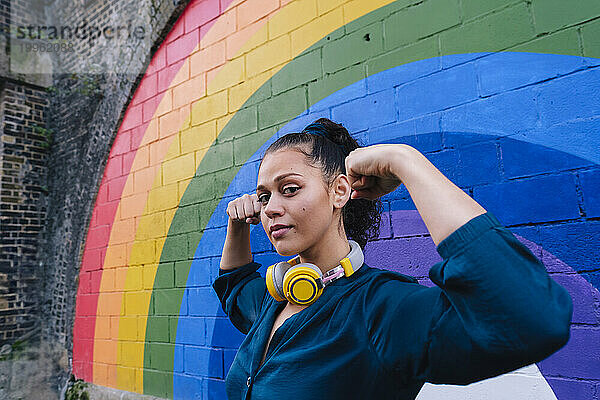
278	233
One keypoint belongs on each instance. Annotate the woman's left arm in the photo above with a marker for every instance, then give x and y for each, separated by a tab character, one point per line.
443	206
497	309
494	309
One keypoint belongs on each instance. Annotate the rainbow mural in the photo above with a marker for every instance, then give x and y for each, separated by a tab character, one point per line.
504	108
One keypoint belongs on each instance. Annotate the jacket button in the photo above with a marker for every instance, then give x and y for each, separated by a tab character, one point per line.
249	381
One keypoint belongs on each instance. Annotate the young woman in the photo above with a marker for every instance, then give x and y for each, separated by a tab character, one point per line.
327	326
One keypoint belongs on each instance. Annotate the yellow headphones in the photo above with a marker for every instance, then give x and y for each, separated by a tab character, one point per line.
303	283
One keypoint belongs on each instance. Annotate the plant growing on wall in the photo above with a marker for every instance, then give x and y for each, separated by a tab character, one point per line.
48	135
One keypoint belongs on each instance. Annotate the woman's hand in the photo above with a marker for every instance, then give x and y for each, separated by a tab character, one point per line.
244	209
370	171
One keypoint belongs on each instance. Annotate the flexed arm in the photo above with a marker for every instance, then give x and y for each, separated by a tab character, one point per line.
241	211
376	170
494	308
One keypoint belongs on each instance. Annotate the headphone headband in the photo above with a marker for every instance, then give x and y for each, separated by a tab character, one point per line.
302	283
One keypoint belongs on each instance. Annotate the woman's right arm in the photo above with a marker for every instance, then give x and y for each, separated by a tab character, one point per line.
242	212
240	288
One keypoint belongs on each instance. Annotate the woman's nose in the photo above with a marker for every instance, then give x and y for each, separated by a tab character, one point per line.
274	207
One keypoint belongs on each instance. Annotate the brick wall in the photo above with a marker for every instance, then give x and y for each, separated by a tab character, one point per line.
22	206
24	152
102	55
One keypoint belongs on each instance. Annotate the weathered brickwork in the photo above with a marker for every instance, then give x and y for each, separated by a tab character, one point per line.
24	149
23	156
91	53
12	13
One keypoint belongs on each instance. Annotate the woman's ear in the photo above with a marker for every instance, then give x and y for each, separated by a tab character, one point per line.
340	191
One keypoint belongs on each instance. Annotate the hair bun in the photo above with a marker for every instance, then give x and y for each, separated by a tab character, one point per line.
318	129
336	133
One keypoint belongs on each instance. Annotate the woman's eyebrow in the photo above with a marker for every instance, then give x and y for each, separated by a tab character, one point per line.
277	179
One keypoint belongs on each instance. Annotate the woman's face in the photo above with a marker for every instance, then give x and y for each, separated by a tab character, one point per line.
297	208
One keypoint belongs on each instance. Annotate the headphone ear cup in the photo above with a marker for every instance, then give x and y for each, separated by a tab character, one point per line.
300	284
275	274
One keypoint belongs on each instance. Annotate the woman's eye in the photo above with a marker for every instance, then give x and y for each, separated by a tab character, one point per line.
263	198
290	189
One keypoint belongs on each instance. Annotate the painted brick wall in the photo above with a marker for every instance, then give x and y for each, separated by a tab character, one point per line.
501	95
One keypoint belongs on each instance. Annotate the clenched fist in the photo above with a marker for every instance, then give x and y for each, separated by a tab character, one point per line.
244	209
370	171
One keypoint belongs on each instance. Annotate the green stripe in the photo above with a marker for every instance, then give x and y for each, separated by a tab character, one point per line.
397	34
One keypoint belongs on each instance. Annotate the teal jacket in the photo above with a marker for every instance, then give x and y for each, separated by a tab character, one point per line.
380	335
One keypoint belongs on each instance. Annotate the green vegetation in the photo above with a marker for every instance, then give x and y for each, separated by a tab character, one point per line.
76	390
48	135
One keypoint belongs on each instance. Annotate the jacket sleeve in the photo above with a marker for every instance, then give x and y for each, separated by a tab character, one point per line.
495	309
241	292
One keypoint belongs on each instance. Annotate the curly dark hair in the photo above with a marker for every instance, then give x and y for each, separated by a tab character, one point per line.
327	147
